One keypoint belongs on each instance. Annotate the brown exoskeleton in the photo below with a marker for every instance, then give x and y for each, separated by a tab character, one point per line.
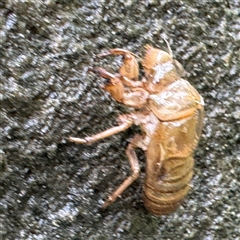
170	113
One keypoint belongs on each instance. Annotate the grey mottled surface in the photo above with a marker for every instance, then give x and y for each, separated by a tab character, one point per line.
52	189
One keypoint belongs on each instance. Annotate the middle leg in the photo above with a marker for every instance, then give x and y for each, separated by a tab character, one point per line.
126	122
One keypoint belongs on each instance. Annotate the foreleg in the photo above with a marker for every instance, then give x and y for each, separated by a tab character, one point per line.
134	97
129	67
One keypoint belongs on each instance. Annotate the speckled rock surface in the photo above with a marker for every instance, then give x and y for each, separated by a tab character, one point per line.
53	189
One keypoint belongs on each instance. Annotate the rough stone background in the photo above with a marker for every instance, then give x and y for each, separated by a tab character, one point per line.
53	189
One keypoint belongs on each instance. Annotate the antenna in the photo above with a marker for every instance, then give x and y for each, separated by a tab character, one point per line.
169	48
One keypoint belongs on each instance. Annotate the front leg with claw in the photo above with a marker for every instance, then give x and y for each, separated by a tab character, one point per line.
131	96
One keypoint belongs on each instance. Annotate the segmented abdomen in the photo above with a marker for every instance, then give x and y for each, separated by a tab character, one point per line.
170	163
171	185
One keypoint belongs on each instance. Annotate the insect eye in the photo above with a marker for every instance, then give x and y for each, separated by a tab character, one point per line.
107	82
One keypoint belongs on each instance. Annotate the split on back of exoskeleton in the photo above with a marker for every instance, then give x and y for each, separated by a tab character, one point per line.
165	115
